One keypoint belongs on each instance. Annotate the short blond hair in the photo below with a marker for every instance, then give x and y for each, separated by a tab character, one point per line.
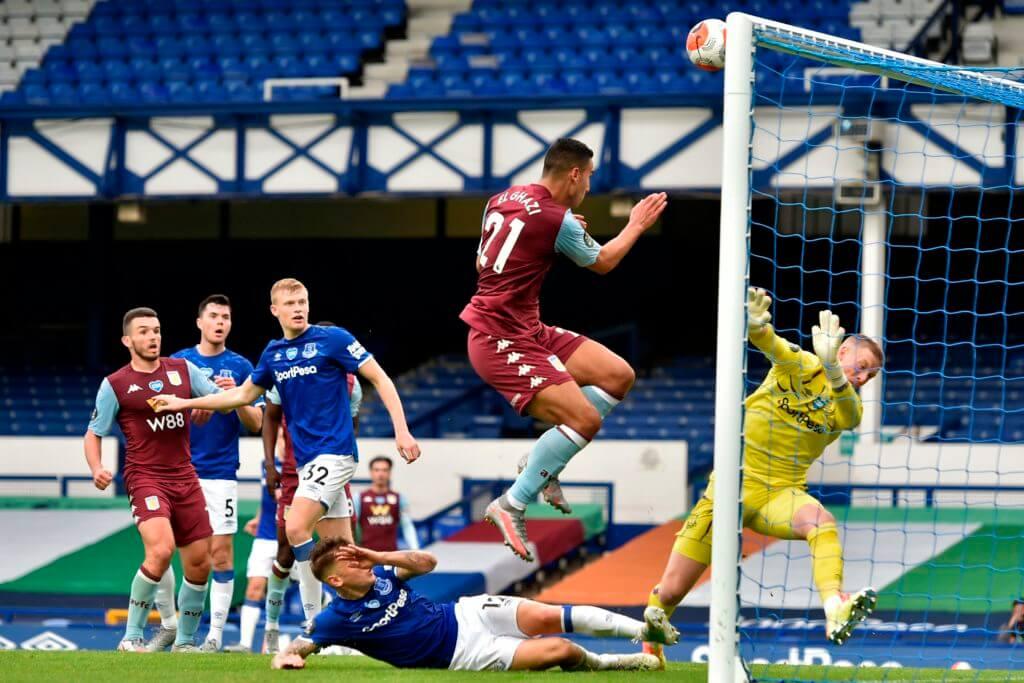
288	284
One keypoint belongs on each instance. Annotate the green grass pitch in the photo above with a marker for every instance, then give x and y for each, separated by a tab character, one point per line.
121	667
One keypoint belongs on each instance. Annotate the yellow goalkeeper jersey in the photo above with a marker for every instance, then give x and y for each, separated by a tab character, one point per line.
793	415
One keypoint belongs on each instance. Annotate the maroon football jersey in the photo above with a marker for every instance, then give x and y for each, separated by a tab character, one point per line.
156	444
517	249
379	518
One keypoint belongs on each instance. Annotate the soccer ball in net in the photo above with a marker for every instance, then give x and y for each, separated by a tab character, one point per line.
705	45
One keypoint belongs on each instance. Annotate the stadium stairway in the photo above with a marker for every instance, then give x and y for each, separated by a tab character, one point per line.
474	559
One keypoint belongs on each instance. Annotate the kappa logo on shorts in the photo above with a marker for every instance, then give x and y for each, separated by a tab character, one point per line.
537	381
525	369
152	503
512	358
503	344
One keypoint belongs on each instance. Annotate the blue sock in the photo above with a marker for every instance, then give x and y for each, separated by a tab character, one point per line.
552	452
600	399
139	603
190	601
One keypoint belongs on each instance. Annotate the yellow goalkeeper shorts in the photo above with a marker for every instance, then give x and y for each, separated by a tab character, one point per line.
766	510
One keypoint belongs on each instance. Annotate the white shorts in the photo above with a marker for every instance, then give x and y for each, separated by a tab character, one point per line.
488	633
261	558
323	479
221	504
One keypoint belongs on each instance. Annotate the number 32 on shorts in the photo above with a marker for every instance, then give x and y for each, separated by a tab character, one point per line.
318	471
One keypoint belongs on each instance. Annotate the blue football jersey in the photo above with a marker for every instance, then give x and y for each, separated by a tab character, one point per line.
267	528
215	444
391	623
310	375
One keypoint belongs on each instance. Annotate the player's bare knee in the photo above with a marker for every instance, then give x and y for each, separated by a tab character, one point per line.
585	421
158	556
297	533
254	590
563	652
622	378
221	559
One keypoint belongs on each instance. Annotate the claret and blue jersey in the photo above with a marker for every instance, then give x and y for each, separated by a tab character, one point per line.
310	375
391	623
215	444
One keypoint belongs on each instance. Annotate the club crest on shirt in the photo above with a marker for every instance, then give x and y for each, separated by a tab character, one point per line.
291	353
157	385
174	378
309	350
225	373
383	586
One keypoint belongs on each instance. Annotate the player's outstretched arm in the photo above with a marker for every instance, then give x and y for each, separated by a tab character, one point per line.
827	336
641	218
407	563
225	400
760	332
374	373
295	656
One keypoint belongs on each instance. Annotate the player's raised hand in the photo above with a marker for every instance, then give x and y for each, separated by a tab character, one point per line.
166	403
200	416
360	558
758	303
827	337
101	478
407	447
648	210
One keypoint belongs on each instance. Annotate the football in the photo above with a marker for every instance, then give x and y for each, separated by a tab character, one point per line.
705	45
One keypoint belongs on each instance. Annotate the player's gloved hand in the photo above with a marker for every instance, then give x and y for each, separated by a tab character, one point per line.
407	447
101	478
647	211
758	303
287	660
200	416
827	336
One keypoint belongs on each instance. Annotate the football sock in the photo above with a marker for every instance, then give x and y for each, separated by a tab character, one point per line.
221	592
309	585
600	399
552	452
826	560
139	603
654	600
594	621
190	599
247	622
165	600
276	587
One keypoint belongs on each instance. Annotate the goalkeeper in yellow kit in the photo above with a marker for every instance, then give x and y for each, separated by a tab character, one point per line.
802	406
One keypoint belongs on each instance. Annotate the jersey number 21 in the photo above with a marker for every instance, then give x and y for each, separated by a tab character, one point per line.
493	225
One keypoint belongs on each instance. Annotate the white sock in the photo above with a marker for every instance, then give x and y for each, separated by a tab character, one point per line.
165	600
595	621
221	593
247	623
593	661
309	589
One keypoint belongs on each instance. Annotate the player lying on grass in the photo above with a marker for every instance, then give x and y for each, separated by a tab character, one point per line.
802	406
379	614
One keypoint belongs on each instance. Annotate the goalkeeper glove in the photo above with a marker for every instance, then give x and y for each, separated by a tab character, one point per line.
758	316
827	336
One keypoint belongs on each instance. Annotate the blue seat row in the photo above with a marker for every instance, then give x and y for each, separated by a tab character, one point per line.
157	24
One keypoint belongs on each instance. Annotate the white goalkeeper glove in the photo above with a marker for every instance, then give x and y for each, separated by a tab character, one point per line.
758	316
827	336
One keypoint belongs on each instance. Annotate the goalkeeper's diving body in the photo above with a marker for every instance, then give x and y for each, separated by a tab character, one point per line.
379	614
802	406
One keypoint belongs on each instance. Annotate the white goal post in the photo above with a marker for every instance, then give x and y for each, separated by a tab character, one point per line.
745	33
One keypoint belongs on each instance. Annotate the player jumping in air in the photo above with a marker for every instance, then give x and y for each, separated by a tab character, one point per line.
277	440
802	406
214	444
167	501
379	614
556	376
309	367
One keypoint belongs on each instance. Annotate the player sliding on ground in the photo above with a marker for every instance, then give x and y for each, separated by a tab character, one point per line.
377	613
803	405
554	375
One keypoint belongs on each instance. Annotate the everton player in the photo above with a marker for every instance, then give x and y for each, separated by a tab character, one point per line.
167	501
379	614
309	366
557	376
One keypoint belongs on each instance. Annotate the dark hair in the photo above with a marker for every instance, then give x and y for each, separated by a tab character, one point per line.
219	299
140	312
566	154
383	458
325	323
322	556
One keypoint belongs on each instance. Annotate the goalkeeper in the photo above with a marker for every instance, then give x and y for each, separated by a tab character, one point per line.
802	406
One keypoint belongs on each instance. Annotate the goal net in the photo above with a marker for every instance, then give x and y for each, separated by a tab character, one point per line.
882	187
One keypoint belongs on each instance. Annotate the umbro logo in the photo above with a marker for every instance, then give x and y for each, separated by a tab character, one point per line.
133	388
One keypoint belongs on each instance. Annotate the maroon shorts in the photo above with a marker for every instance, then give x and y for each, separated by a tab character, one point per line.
289	483
521	367
181	502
